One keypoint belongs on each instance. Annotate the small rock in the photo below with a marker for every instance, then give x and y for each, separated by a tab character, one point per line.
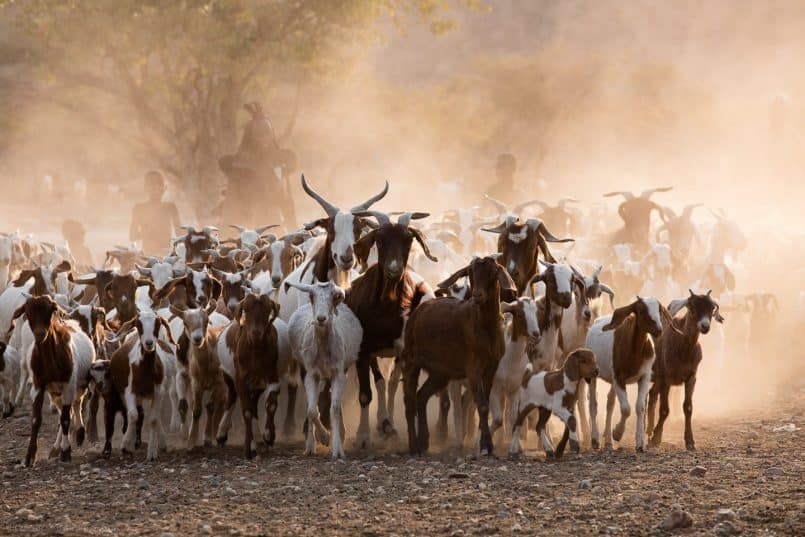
457	533
23	513
458	475
725	529
774	470
420	499
206	529
787	428
585	484
516	528
677	519
142	484
726	514
698	471
166	534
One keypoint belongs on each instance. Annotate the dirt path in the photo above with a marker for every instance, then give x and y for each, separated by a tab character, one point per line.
753	470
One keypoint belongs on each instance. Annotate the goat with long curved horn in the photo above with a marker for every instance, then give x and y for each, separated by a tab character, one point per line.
646	194
371	201
330	209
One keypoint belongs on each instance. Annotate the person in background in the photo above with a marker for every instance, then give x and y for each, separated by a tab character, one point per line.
503	189
154	222
74	233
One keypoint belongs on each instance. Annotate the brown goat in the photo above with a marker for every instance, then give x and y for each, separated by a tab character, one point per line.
454	339
678	356
520	243
254	339
382	298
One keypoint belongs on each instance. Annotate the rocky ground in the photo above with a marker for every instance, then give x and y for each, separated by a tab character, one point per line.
746	478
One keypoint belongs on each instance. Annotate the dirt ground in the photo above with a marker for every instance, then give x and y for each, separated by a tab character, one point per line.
750	482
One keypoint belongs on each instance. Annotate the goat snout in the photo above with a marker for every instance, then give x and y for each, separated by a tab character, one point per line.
587	314
149	344
321	319
564	299
40	334
704	326
276	281
197	340
202	300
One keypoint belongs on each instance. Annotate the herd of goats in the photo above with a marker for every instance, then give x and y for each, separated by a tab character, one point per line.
226	322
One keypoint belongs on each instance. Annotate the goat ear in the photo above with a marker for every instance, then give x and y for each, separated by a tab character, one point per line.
167	288
216	288
618	316
24	276
666	316
321	222
453	278
546	252
582	286
676	305
167	326
572	369
64	266
508	291
364	245
18	312
717	315
420	238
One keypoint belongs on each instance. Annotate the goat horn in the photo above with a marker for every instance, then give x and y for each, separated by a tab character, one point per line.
564	201
646	194
626	195
189	228
518	208
305	288
501	207
328	207
241	229
576	272
142	270
179	239
688	210
382	218
262	229
81	281
374	199
207	230
608	290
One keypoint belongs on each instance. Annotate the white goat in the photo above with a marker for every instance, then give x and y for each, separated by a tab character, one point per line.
325	339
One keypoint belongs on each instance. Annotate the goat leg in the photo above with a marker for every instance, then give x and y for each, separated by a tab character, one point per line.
36	424
687	408
430	387
410	380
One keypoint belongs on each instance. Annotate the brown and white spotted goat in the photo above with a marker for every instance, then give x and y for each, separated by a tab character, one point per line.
59	365
554	392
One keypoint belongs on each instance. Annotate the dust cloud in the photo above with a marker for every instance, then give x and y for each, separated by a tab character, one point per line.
590	96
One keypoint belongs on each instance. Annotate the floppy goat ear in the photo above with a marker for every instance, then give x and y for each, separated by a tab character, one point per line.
167	326
453	278
572	369
420	238
618	316
24	276
669	319
364	245
676	305
321	222
508	291
18	312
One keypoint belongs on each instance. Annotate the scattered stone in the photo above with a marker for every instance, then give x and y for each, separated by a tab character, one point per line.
23	513
726	514
585	484
774	470
206	529
678	518
458	475
787	428
698	471
725	529
142	484
516	527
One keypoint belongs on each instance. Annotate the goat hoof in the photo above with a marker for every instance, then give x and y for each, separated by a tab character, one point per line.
221	440
324	440
54	452
269	438
617	433
107	449
574	446
594	444
207	442
387	429
80	434
66	455
250	454
8	413
640	449
138	444
690	446
550	455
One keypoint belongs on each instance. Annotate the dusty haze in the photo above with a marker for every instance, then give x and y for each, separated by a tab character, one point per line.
591	96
